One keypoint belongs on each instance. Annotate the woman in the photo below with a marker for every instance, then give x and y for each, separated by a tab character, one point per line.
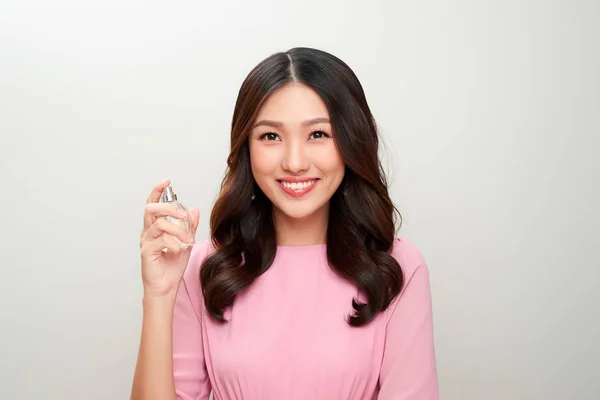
303	291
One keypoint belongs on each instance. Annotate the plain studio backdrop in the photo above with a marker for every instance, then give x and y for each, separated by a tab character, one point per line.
489	114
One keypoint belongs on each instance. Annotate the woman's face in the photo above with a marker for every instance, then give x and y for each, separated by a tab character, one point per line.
295	161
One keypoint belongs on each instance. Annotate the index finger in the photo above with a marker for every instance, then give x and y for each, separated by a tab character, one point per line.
157	191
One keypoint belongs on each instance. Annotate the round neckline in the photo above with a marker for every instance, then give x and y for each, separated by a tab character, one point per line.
301	246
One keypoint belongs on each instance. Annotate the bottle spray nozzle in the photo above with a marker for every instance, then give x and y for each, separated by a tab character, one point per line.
168	195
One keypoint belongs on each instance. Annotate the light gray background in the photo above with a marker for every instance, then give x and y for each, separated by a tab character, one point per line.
489	111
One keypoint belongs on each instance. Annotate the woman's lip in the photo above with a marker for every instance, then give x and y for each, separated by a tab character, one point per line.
297	192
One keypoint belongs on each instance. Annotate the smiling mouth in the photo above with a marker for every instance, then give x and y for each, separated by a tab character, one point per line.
297	189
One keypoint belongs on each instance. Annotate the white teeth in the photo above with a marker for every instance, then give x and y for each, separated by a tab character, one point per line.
298	185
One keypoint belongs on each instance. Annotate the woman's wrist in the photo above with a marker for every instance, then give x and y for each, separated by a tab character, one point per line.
159	303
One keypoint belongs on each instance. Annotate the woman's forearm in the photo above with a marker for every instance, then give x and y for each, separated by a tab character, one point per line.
153	379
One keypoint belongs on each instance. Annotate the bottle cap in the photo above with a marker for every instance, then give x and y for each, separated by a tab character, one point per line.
168	195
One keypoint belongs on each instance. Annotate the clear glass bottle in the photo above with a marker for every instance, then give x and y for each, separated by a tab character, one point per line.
169	196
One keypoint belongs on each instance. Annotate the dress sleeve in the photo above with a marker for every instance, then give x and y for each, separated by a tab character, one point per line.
189	368
408	370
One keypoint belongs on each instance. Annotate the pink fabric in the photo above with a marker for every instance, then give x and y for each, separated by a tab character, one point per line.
287	339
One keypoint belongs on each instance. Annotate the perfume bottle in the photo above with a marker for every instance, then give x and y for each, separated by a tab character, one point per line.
168	196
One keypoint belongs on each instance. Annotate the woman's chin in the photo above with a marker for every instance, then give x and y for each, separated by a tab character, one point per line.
297	211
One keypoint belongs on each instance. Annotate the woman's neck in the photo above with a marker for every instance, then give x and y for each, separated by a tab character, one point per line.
301	232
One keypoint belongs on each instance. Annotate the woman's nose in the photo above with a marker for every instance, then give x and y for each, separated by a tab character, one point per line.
295	159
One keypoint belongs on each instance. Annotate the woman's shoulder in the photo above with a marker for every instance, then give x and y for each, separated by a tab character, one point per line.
200	251
191	277
408	256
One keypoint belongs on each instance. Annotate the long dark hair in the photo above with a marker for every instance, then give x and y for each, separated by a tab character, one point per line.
362	217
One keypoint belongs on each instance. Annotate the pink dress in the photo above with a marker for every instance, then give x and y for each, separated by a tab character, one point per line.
287	339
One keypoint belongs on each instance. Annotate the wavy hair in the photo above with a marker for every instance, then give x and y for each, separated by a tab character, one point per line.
362	217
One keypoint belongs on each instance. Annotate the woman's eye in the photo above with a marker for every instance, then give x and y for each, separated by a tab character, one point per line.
270	136
319	135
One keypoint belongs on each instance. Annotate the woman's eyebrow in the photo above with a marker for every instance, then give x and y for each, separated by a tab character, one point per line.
277	124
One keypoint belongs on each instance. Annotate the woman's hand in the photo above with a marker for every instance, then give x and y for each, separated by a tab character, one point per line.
162	271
